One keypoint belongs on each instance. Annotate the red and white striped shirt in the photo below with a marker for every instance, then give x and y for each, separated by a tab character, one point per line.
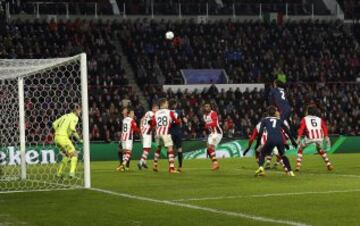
212	122
128	128
255	134
313	127
146	123
162	121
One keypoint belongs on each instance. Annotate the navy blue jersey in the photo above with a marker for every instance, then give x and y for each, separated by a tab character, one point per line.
274	128
277	98
176	129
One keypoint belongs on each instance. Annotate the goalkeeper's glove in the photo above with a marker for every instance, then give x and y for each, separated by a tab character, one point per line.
81	141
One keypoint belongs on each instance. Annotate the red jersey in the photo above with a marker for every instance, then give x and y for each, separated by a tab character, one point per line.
162	121
212	122
128	128
146	122
313	128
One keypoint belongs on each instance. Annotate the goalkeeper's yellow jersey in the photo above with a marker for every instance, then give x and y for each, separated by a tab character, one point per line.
65	125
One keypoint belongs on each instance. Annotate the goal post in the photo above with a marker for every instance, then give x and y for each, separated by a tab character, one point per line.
33	94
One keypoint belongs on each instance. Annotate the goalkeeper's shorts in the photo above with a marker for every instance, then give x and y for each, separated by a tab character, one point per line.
65	144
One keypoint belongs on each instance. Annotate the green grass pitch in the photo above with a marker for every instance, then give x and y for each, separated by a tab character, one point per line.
198	196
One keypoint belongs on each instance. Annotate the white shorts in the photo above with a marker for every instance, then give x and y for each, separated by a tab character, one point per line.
164	140
146	140
307	141
214	138
127	145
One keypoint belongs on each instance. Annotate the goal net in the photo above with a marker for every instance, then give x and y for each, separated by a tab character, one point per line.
33	94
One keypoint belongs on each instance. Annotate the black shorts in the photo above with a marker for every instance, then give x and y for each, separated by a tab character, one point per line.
268	147
177	140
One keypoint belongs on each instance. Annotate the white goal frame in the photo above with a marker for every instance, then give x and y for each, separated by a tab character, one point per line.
22	72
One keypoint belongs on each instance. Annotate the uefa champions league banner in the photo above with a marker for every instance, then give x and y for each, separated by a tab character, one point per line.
194	149
236	148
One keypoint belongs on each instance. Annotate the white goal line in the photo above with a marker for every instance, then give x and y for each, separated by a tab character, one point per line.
266	195
201	208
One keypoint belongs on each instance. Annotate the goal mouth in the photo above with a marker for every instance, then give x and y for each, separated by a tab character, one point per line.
33	94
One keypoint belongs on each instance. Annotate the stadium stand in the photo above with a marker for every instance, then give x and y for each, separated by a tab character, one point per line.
240	112
304	51
319	51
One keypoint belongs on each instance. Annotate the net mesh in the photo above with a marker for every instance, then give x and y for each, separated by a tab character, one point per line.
51	87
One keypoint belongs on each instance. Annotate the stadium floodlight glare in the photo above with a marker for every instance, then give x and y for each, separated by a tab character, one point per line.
33	93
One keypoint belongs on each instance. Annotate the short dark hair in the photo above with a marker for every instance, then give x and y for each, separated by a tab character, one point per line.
162	101
75	107
279	83
206	102
154	104
271	110
312	110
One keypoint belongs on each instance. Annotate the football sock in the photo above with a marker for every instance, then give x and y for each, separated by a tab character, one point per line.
73	164
212	154
261	159
268	159
299	158
180	157
156	157
63	164
324	156
286	162
171	158
120	156
145	155
281	162
126	158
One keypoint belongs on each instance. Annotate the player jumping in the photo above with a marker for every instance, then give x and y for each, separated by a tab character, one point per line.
146	132
277	97
315	131
127	133
274	127
216	133
162	122
65	127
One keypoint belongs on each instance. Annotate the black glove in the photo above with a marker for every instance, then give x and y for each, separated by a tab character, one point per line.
246	151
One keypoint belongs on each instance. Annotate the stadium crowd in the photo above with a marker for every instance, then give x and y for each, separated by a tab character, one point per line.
250	52
240	112
320	52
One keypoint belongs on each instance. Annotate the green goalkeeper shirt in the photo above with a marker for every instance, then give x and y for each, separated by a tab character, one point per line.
66	125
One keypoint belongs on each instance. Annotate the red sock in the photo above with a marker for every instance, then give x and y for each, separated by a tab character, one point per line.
127	156
299	158
324	156
157	156
145	154
211	152
171	157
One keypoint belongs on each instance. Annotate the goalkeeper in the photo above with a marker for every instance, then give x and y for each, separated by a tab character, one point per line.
65	127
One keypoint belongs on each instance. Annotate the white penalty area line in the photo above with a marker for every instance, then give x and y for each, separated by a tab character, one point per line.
267	195
206	209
